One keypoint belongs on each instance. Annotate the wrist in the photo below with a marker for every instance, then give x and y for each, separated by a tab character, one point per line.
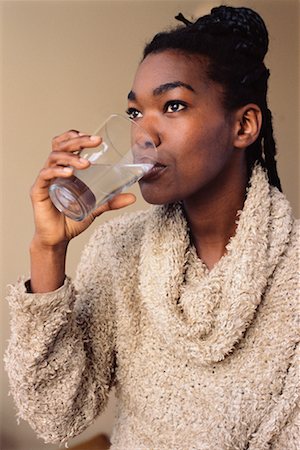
47	266
37	246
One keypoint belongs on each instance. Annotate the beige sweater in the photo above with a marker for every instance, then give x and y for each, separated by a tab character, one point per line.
200	360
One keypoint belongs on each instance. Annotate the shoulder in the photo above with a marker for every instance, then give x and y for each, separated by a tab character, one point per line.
296	232
291	256
289	261
118	238
284	283
112	249
124	228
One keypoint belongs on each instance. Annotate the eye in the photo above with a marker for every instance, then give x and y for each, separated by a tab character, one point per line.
133	113
174	106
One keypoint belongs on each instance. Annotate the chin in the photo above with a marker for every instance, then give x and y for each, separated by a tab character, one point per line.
155	196
154	200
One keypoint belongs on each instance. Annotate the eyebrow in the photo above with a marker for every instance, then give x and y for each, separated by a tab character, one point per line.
164	88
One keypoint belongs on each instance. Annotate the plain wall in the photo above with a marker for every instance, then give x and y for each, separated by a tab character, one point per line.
69	64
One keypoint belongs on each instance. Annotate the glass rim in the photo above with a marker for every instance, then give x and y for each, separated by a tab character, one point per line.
128	120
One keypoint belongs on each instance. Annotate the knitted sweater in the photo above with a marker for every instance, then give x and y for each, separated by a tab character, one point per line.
200	359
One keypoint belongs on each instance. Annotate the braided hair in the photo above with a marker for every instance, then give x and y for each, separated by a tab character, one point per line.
235	41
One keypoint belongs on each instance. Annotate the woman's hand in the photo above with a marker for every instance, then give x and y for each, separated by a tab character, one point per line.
52	228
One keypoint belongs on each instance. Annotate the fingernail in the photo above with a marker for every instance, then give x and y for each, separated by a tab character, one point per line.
67	169
82	161
94	138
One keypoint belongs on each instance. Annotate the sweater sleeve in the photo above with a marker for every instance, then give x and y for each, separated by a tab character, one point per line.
289	435
279	429
60	357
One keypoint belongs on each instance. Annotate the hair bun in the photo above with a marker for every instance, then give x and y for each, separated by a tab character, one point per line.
251	35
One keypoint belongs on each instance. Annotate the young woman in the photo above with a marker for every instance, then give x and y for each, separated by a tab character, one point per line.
189	308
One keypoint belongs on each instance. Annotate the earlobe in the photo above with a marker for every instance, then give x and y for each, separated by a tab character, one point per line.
248	125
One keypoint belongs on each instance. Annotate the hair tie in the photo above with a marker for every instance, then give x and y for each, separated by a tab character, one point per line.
181	18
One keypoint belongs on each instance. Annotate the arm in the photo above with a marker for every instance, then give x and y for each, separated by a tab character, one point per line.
279	429
60	358
290	433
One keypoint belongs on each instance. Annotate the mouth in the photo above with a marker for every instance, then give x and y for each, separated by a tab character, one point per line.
154	173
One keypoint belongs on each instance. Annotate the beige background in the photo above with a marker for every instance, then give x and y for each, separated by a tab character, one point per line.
69	64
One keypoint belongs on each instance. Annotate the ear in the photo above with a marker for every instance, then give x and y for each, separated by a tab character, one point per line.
248	120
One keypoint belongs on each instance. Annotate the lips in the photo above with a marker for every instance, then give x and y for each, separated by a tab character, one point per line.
155	172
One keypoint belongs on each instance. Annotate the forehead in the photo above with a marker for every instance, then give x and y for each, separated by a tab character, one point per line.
165	67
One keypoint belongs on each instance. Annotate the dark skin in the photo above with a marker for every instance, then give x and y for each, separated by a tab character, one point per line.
200	144
201	150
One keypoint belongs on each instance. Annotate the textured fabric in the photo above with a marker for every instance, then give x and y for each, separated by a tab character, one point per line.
200	359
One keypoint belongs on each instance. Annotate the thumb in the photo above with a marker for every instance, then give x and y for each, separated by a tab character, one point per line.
117	202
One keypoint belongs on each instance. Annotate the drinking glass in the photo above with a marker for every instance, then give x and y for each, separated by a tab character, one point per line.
126	153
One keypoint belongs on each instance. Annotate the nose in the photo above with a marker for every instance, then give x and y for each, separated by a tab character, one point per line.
145	141
150	126
143	147
146	144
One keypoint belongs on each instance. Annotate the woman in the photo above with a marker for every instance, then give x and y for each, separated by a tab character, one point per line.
188	309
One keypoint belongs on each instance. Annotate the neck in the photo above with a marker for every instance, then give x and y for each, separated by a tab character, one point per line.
212	215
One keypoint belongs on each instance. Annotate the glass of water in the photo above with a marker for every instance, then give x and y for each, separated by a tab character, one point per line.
126	153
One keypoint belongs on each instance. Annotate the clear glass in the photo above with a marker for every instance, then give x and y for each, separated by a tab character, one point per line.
125	155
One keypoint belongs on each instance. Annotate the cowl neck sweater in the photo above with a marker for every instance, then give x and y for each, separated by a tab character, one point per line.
211	310
200	359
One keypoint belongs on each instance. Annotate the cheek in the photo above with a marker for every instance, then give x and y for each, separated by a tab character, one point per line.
195	158
200	156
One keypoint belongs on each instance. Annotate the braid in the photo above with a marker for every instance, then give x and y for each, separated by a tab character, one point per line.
269	148
235	41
